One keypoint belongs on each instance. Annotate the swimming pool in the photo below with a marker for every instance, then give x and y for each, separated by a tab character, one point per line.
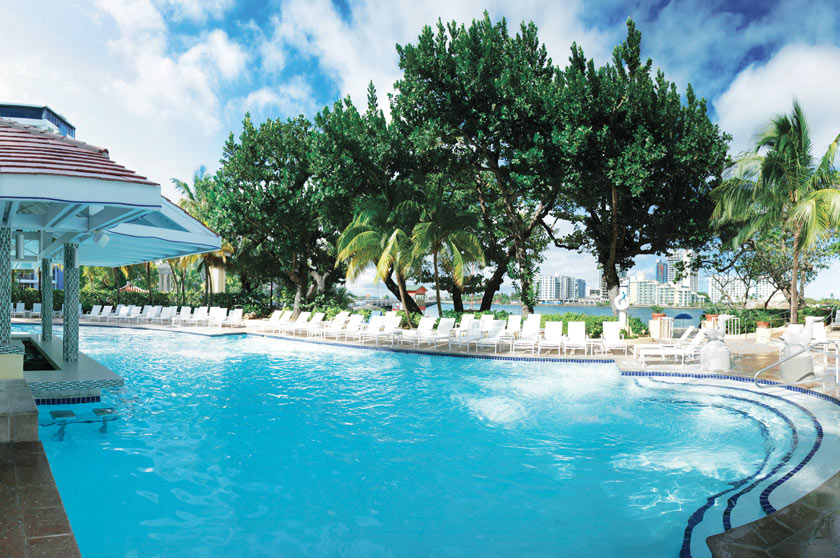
244	446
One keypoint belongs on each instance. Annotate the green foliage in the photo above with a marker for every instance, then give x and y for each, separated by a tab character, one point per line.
643	162
655	309
780	186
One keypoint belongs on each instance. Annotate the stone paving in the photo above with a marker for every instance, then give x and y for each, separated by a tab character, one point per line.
33	523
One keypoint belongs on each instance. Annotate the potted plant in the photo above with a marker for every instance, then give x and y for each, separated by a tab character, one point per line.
656	312
762	319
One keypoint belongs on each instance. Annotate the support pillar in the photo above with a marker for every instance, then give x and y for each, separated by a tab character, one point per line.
70	341
46	299
5	285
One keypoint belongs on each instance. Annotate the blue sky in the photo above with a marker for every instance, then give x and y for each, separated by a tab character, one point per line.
161	83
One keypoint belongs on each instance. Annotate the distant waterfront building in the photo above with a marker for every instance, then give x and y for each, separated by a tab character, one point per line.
647	293
560	288
661	271
724	288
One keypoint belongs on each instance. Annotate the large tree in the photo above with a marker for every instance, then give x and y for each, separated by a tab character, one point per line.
781	184
364	154
482	103
644	161
266	192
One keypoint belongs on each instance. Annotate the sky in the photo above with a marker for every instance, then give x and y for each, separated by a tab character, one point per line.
162	83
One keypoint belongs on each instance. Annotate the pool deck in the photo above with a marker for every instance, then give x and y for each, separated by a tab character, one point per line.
808	527
33	523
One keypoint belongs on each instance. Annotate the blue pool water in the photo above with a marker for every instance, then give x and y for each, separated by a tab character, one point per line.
244	446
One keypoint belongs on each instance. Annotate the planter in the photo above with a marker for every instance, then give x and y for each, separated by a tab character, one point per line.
710	317
762	324
657	315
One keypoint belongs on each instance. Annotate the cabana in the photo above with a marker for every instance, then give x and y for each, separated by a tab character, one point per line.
65	201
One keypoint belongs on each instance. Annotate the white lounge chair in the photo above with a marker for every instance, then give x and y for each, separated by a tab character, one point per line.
683	341
682	352
472	334
514	326
530	335
95	311
466	325
198	316
233	319
277	317
290	326
166	315
424	328
313	324
107	312
441	334
372	327
217	316
153	313
354	323
552	337
136	313
36	310
20	310
390	331
124	313
495	336
576	338
611	338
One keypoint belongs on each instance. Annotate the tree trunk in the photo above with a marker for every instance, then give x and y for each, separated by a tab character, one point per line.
492	287
271	295
437	283
116	283
794	278
298	298
457	299
394	289
149	280
404	298
613	285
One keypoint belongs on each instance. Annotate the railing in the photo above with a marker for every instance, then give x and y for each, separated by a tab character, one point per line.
781	361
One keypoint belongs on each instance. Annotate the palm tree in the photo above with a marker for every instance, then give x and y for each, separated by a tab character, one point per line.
444	229
377	236
194	202
780	184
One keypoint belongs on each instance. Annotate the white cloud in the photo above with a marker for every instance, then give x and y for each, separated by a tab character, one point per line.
362	49
760	91
196	10
291	98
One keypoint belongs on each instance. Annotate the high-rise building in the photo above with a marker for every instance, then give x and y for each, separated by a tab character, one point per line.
681	261
580	285
661	271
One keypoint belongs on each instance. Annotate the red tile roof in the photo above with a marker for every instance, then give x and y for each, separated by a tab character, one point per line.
30	150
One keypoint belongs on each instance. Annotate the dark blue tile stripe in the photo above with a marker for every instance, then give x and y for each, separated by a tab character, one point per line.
67	400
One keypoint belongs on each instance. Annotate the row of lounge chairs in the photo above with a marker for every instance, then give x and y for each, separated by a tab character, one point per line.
166	315
18	310
479	334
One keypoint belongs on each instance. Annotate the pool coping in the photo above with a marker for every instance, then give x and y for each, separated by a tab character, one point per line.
805	524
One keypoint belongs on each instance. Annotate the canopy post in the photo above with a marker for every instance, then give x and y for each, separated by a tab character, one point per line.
46	299
5	285
70	341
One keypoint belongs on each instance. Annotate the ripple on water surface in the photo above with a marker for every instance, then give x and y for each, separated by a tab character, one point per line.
256	447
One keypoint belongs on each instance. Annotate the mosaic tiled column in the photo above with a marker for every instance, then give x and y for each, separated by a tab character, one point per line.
70	341
46	299
5	285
